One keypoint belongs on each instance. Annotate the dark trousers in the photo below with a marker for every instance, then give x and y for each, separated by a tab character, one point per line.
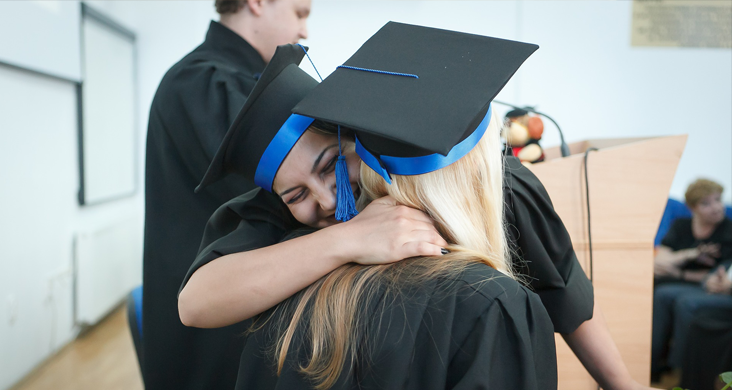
708	350
674	308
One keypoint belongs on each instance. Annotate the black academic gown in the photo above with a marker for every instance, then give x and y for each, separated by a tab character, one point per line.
536	235
193	107
543	249
477	330
541	244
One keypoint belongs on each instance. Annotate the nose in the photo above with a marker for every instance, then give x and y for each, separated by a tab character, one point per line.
326	197
304	30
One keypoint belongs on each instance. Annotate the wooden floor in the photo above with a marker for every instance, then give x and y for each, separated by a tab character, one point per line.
103	358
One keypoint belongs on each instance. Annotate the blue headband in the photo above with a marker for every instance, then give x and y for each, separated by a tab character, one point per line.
286	137
407	166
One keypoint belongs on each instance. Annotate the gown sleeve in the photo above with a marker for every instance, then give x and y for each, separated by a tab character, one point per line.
511	346
251	221
220	93
543	250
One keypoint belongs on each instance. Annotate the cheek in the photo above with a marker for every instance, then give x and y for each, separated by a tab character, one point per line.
288	23
354	168
304	213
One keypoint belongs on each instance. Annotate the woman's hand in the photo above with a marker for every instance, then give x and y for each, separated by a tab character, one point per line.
708	253
718	282
661	269
668	262
385	232
238	286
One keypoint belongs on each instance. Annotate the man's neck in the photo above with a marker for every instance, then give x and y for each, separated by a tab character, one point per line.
242	24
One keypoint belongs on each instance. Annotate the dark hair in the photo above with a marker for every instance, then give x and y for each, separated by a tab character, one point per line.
328	128
229	6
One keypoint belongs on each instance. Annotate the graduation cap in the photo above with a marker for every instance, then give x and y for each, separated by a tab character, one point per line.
417	98
516	113
265	130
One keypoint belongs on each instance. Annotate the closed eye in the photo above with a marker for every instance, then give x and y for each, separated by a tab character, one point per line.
303	13
299	196
328	168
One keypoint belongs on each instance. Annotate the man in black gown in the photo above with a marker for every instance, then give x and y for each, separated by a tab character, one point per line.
193	107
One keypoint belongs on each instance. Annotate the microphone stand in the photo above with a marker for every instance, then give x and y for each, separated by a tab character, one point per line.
563	147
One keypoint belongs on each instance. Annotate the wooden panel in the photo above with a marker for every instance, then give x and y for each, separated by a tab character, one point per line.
629	182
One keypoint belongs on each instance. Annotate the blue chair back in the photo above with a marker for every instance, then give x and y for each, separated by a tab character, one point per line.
134	317
675	209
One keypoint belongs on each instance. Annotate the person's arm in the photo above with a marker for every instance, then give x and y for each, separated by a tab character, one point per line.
695	275
595	348
567	294
236	287
718	282
667	261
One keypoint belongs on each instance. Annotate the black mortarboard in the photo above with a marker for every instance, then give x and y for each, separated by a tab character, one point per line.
265	130
411	92
516	112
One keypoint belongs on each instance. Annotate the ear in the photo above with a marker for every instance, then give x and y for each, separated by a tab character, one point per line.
255	7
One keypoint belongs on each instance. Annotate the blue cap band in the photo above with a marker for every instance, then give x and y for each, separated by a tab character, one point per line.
407	166
286	137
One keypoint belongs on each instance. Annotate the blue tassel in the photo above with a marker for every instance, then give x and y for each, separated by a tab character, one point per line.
346	208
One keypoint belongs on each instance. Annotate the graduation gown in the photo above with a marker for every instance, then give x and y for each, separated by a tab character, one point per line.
544	254
193	107
477	330
536	234
544	249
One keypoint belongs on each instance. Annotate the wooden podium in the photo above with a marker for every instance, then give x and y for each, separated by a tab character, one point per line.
629	181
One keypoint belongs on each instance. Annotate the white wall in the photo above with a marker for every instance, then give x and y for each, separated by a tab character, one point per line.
53	29
39	217
585	75
39	183
596	85
39	212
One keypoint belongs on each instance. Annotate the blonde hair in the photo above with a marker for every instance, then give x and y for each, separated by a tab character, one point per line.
700	189
465	199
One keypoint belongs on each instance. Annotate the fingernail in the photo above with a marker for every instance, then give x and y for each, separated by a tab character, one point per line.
444	251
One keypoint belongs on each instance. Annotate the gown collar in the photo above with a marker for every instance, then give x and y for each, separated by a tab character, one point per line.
232	45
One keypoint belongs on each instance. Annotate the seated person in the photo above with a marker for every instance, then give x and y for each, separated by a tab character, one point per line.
690	250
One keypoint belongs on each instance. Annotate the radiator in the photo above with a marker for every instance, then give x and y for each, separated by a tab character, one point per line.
108	265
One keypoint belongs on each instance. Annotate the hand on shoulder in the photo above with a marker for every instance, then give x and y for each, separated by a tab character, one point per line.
385	232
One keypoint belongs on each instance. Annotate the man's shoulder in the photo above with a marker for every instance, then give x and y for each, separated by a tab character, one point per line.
198	60
197	71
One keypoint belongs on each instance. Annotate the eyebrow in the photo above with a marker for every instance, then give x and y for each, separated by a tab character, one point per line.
320	157
315	167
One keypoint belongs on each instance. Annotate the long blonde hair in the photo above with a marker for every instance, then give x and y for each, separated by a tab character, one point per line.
465	199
